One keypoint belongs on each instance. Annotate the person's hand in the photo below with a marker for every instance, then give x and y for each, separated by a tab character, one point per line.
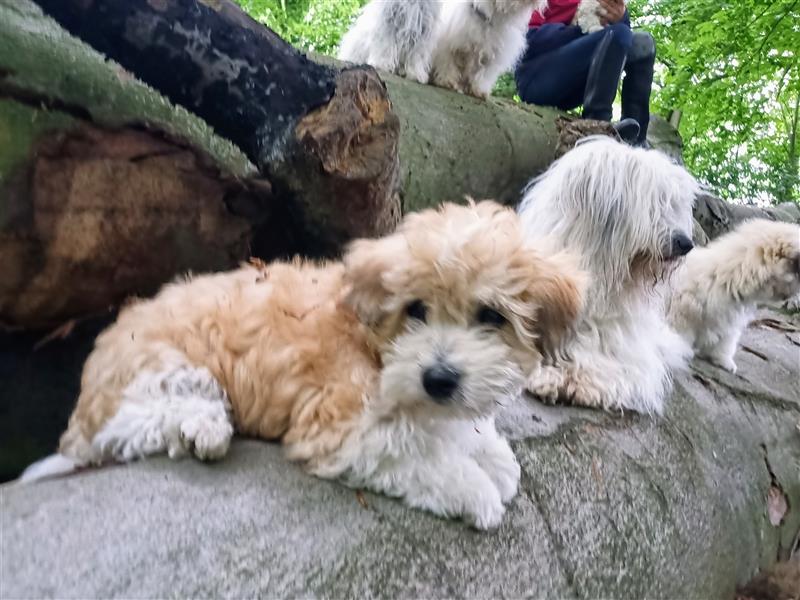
611	11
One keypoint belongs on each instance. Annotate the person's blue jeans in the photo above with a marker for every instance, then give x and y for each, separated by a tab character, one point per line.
587	70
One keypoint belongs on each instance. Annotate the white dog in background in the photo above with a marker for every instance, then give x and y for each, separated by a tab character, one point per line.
478	40
588	16
395	36
718	288
383	371
628	213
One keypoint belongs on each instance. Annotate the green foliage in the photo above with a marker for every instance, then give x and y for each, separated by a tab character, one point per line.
730	66
506	87
311	25
732	69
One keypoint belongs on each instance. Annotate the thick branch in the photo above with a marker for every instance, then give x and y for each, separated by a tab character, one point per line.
209	57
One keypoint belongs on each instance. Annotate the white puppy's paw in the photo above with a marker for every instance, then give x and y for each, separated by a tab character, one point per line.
484	509
501	466
207	437
505	476
545	383
417	73
581	391
724	362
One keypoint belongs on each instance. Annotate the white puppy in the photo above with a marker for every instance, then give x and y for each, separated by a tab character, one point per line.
395	36
588	16
628	213
478	40
718	287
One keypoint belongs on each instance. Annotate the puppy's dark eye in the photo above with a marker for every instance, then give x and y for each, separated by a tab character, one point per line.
417	310
489	316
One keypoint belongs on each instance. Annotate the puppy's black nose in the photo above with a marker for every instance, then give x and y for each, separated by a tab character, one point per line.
440	381
681	245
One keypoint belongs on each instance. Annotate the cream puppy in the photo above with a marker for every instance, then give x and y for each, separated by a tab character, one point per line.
719	287
383	370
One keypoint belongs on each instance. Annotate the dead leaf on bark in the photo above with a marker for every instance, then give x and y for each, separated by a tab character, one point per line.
361	499
777	505
703	380
768	323
597	474
59	333
755	352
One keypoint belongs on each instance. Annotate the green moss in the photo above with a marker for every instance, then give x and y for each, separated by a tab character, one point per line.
20	126
41	59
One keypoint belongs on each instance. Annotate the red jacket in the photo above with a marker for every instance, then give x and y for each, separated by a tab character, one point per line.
557	11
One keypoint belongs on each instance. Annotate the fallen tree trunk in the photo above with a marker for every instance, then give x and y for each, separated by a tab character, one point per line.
109	190
325	138
610	506
335	177
718	217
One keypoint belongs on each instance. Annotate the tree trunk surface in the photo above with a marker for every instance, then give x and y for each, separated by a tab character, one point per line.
307	127
109	188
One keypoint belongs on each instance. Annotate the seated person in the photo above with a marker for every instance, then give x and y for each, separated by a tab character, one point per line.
565	68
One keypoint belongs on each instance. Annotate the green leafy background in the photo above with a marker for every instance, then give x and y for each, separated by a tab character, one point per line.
731	69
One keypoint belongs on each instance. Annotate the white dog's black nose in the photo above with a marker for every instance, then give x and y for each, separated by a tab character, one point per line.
440	381
681	245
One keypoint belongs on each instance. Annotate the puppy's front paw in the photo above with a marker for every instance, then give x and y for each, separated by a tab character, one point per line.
582	392
545	383
485	510
724	362
207	437
501	466
506	477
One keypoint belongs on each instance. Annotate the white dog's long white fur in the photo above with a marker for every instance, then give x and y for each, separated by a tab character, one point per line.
395	36
717	289
478	40
620	209
464	45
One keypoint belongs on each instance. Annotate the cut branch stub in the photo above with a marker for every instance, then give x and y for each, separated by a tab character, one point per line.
98	215
326	139
351	144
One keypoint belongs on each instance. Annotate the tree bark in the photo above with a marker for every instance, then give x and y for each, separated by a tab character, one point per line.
325	138
97	207
210	57
718	217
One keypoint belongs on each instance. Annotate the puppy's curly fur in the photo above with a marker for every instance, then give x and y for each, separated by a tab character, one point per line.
478	40
627	213
463	45
395	36
383	370
718	288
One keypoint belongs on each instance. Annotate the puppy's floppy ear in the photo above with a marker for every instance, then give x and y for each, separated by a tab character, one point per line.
366	263
559	292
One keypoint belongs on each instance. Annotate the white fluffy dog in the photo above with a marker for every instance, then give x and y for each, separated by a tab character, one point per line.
395	36
718	288
628	213
478	40
384	370
588	16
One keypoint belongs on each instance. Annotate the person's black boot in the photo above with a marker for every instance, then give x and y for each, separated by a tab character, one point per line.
628	130
603	77
638	82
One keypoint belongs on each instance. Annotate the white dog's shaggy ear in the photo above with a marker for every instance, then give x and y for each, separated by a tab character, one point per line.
558	291
365	265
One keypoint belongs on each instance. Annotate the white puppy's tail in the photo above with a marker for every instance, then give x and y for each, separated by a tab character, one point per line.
54	465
